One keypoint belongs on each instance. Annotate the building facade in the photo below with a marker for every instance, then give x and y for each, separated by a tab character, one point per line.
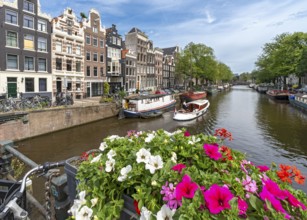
68	55
137	41
114	62
25	57
159	67
169	56
94	54
151	80
129	70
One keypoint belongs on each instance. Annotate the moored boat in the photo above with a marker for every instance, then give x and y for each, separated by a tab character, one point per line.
137	105
279	95
152	114
191	96
194	109
299	101
212	89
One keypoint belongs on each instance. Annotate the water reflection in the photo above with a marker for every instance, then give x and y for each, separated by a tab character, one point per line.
263	129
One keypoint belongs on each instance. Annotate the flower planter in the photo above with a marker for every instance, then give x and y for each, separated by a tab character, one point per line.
128	211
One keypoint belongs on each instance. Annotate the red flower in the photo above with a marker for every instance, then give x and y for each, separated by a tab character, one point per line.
263	168
187	134
179	167
136	206
223	133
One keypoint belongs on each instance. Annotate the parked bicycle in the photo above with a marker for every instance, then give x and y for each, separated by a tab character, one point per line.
10	208
63	99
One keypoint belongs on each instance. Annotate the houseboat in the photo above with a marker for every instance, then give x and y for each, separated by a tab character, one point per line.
136	106
192	96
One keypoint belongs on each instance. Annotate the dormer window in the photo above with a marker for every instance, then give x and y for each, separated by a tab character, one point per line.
69	22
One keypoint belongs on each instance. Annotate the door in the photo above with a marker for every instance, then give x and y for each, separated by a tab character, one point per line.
12	87
58	85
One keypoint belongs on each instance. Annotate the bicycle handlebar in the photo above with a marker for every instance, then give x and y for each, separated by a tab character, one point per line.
11	203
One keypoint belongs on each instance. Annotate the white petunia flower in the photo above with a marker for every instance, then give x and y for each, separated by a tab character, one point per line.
75	207
113	137
82	197
165	213
145	214
167	133
174	157
177	132
149	137
103	146
85	213
110	165
155	163
143	155
111	154
194	140
94	201
96	159
124	172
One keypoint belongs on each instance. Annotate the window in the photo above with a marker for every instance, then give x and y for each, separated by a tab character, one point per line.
69	31
95	29
42	64
28	6
58	46
28	42
11	17
88	39
58	64
78	50
42	44
29	63
114	40
101	71
68	65
95	57
42	86
69	85
95	42
29	82
69	48
88	71
12	61
42	25
28	21
95	71
11	39
88	55
69	22
78	66
101	43
101	58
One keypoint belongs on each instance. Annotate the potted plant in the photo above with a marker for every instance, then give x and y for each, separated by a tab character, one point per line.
182	176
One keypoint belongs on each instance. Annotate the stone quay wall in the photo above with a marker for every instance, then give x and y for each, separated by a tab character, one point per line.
35	123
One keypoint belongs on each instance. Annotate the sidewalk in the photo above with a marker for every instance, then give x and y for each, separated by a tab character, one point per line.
87	101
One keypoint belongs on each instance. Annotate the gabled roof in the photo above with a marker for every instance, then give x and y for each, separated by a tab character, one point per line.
136	30
170	50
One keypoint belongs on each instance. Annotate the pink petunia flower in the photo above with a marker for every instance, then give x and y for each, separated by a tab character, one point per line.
212	150
170	196
274	189
187	134
293	201
186	188
217	198
249	184
266	195
179	167
243	206
263	168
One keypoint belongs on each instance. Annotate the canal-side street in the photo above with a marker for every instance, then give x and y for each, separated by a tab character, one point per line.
265	130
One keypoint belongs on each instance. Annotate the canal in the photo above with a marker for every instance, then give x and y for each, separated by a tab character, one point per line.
265	130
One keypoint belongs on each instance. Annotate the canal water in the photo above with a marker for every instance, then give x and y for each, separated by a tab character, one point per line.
267	131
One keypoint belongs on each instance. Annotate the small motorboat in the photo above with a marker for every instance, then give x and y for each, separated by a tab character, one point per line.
192	110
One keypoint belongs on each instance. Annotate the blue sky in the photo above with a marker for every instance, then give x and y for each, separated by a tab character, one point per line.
236	29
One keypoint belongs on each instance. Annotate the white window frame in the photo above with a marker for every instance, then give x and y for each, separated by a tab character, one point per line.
17	61
78	50
41	58
58	46
11	13
101	43
41	40
95	40
6	36
25	63
29	18
88	37
69	48
24	38
95	54
29	3
42	25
